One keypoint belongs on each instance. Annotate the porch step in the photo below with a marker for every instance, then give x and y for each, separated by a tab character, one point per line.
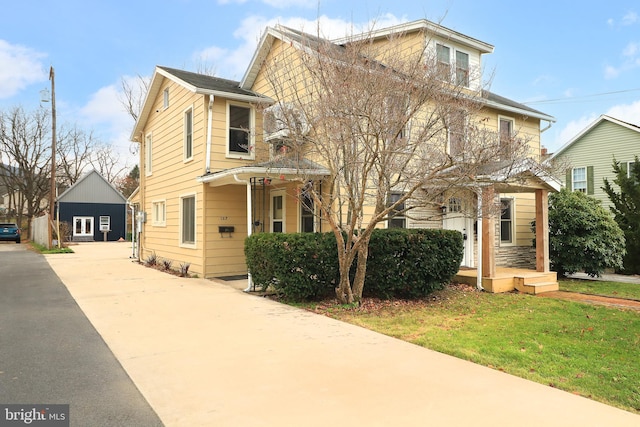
536	283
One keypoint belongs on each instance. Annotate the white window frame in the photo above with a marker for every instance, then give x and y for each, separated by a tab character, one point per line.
302	209
182	243
511	120
186	157
629	166
467	83
512	202
585	181
402	216
251	140
148	154
463	131
105	223
159	211
165	98
276	193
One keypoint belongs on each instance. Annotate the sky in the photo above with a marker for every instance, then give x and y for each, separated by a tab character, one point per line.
571	60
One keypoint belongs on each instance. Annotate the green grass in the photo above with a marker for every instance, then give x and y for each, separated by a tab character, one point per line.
593	351
597	287
43	250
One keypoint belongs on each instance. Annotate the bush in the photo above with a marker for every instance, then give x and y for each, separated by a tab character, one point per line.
401	263
583	236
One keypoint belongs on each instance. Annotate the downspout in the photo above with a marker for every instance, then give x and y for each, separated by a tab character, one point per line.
249	224
133	230
479	244
546	128
209	125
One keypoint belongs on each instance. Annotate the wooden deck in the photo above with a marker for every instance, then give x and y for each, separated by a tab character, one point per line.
509	279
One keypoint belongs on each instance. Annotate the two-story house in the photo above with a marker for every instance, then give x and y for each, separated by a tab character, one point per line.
209	178
588	156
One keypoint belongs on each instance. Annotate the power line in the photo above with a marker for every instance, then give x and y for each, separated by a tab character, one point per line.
577	98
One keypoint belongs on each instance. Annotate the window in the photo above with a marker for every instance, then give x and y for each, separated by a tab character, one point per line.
165	98
188	223
306	212
630	167
397	218
506	221
456	133
148	150
277	212
188	134
579	180
462	68
506	137
443	54
240	137
159	213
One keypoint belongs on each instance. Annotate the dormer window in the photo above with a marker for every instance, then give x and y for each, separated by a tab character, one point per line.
462	69
445	63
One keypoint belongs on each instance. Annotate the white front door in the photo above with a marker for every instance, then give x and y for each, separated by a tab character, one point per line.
457	219
83	226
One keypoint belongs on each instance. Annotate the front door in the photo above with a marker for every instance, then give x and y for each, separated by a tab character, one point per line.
457	218
82	226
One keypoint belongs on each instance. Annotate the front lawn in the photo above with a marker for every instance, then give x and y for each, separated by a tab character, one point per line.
593	351
597	287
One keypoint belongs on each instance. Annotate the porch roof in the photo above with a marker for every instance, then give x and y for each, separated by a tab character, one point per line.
283	169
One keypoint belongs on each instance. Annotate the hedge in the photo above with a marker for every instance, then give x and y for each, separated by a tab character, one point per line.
402	263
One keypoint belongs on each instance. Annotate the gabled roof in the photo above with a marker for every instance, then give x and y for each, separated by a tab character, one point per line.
304	41
588	129
197	83
92	188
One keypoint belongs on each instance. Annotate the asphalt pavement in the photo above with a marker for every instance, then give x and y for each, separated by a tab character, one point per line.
51	354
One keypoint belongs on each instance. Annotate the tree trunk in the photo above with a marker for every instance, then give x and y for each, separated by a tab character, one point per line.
361	269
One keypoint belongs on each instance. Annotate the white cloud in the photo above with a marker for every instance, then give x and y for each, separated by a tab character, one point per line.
19	67
631	50
611	72
283	4
570	130
630	18
629	113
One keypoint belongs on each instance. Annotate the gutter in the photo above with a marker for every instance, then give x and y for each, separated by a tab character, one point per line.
209	124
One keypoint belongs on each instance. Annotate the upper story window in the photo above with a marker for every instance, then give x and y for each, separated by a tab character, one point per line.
456	133
462	68
444	61
446	56
148	154
505	127
240	138
188	134
579	179
165	98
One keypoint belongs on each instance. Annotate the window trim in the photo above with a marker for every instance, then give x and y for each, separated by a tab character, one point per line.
402	216
302	208
155	221
148	154
630	164
586	179
275	193
182	243
165	98
463	132
467	82
186	134
511	120
512	202
233	154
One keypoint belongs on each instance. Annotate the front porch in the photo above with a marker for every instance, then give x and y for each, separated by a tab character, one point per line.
509	279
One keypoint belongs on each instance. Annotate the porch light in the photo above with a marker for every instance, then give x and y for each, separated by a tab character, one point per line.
443	209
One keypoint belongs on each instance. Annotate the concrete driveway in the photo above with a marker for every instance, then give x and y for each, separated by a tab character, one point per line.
205	354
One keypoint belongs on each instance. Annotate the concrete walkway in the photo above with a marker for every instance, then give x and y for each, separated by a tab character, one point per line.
205	354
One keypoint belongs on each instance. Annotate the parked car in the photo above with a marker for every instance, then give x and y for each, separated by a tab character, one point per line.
10	231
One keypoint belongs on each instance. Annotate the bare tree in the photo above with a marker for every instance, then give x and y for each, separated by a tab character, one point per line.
107	163
382	122
132	94
74	151
26	150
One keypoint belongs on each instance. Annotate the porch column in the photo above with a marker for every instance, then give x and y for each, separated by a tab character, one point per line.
488	232
542	231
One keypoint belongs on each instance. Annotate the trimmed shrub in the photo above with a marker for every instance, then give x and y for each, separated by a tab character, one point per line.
401	263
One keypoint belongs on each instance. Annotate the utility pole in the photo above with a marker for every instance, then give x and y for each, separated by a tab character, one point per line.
52	195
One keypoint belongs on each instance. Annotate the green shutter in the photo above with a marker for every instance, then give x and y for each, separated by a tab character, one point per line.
568	183
589	180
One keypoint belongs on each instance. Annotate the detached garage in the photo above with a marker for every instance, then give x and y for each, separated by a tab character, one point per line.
93	208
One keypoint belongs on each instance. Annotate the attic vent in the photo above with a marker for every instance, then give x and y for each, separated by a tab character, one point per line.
280	119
